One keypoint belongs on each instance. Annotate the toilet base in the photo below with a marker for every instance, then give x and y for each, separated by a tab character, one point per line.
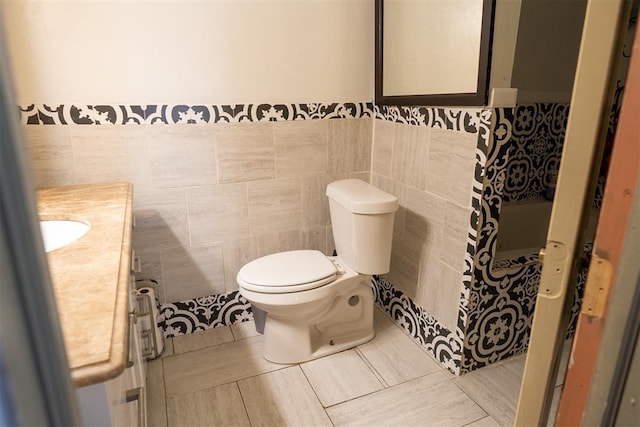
341	323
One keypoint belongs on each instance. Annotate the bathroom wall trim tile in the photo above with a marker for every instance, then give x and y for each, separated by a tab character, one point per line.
185	317
459	119
117	114
462	119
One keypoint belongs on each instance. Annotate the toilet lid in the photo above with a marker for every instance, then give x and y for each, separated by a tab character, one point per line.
287	272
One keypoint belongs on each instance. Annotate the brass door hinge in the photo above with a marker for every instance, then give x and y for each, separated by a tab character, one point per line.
596	291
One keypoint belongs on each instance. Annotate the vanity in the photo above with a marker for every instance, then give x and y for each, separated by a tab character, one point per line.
95	293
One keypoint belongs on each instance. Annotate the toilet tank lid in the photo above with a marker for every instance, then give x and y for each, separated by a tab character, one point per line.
361	198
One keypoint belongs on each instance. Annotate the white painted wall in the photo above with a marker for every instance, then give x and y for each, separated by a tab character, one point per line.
208	51
547	49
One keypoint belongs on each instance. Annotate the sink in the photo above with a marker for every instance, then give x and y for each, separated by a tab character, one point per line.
59	233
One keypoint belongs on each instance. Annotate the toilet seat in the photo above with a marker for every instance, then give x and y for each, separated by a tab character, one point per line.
287	272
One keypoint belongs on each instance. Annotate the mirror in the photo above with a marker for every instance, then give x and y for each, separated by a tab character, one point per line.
432	52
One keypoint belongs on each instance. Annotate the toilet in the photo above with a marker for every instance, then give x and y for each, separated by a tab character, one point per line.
318	305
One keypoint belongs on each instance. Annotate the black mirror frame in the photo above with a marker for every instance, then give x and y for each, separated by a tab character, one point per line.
452	99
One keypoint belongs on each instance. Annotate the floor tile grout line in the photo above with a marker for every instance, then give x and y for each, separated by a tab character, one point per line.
454	382
244	405
385	389
208	346
166	400
480	419
373	370
324	408
232	381
414	340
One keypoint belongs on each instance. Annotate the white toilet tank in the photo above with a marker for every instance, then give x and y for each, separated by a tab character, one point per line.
362	222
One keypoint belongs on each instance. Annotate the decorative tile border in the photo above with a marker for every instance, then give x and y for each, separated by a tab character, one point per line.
476	196
467	120
117	114
199	314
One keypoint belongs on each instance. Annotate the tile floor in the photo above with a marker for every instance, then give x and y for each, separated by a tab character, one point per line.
218	378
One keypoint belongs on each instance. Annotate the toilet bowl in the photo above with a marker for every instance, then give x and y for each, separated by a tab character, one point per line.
318	305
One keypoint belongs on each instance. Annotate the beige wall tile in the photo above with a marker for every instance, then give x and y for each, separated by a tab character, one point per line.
441	298
245	152
425	215
238	252
212	366
394	355
156	404
405	267
274	205
331	244
308	238
362	176
430	277
410	155
217	406
340	377
426	401
112	153
217	212
300	147
315	204
451	165
192	272
150	268
51	153
397	189
202	339
282	398
383	133
350	145
182	155
457	221
161	219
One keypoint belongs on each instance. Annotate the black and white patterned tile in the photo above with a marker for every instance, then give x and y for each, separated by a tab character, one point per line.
503	294
199	314
72	114
536	143
467	120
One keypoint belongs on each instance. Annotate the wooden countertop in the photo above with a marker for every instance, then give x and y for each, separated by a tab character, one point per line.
91	276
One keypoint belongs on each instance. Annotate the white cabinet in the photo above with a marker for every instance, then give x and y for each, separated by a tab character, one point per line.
120	401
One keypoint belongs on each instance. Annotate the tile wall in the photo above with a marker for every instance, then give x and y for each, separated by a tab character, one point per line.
433	161
431	171
215	186
218	186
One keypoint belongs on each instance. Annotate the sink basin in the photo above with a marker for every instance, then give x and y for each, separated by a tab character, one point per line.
59	233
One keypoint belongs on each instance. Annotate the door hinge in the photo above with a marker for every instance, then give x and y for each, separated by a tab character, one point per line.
597	287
